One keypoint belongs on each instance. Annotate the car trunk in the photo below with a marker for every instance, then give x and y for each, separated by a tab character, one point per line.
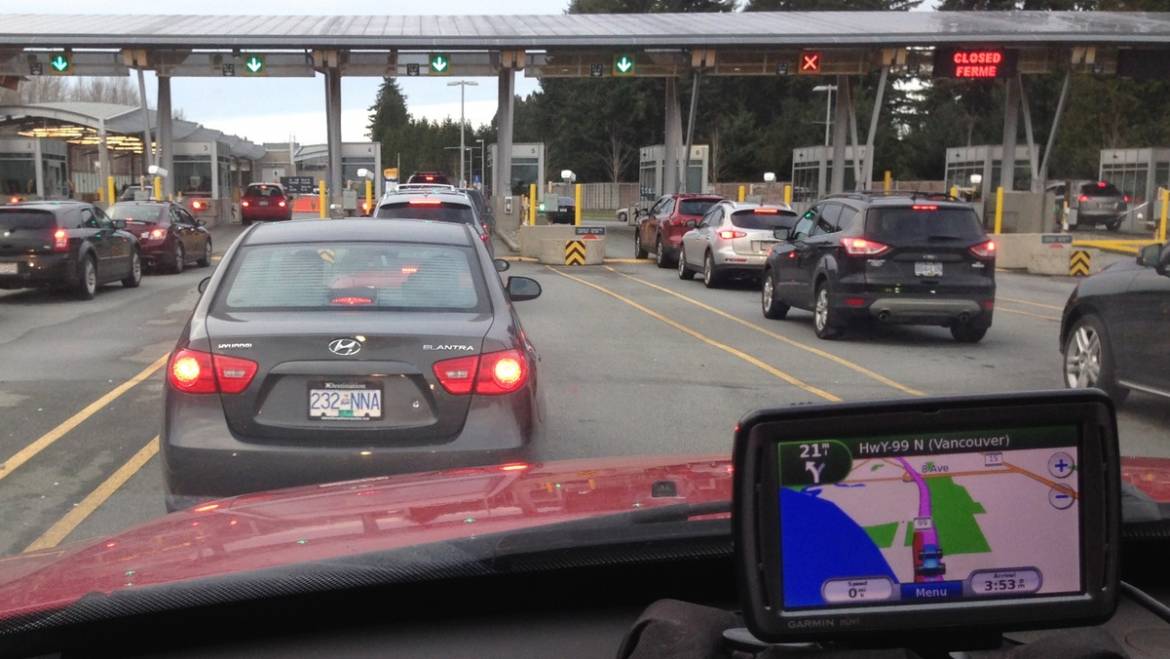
26	231
760	226
397	352
930	251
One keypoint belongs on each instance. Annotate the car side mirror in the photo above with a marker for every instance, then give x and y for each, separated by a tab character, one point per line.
501	265
781	233
119	224
203	284
523	288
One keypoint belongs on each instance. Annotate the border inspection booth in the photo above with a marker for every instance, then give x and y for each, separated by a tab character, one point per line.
1138	173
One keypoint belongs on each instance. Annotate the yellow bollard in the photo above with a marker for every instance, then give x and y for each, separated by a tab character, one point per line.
157	188
954	192
322	200
369	197
532	204
577	205
788	193
742	194
888	181
999	210
1162	219
111	192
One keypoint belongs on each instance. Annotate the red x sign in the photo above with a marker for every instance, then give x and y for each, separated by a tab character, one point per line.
810	62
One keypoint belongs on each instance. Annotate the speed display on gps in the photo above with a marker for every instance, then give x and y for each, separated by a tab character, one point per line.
902	519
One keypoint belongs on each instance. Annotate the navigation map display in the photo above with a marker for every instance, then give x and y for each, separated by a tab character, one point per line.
930	517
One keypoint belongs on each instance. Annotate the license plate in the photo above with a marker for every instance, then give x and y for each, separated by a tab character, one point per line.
928	269
345	402
762	245
262	203
9	268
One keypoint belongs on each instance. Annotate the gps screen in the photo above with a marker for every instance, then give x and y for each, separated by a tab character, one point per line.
931	517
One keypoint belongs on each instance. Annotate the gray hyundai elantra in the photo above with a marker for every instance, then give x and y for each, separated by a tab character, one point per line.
327	351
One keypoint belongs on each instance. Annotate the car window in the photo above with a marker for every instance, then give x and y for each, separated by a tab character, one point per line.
750	219
426	209
1100	189
805	224
379	276
102	219
19	219
88	220
267	191
709	217
695	206
826	221
849	218
924	223
177	216
667	207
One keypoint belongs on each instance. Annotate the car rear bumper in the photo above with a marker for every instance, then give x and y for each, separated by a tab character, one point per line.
728	259
202	458
41	270
909	310
154	253
266	214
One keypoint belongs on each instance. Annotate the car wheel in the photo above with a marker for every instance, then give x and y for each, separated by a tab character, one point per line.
133	279
660	253
639	252
711	277
1113	225
968	333
825	322
771	305
180	258
1088	359
205	260
87	280
684	272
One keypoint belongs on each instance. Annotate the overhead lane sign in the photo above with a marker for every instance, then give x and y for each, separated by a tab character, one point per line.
624	64
810	62
440	63
59	63
975	63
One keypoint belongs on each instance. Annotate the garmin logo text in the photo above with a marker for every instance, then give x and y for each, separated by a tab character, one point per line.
233	346
448	346
812	623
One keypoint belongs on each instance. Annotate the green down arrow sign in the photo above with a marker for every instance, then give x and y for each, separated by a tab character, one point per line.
60	63
623	65
254	64
440	63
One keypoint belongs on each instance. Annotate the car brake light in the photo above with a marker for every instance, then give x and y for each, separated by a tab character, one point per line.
491	373
352	300
60	241
924	207
14	200
515	466
483	236
988	305
1101	184
1125	198
863	247
281	203
985	250
428	178
425	202
728	235
197	372
245	203
1083	198
855	302
197	205
158	234
766	211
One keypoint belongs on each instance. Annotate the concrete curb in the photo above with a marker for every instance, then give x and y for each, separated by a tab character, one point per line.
509	241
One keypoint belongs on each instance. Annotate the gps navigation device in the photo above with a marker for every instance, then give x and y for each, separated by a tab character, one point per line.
927	516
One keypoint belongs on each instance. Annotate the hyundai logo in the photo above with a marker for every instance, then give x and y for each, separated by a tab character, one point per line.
345	347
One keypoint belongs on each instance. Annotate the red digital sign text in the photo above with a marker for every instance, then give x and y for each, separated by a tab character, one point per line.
977	63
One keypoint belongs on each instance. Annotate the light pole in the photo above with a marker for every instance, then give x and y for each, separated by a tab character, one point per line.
829	89
462	85
482	166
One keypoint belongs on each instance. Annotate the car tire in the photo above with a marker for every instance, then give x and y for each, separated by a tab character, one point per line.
770	304
1113	225
1088	359
205	260
968	333
825	322
639	252
87	279
180	259
660	259
711	276
684	271
133	279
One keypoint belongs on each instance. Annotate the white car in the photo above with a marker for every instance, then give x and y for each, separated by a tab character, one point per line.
733	238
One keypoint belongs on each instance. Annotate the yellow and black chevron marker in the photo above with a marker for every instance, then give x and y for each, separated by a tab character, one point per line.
574	252
1079	263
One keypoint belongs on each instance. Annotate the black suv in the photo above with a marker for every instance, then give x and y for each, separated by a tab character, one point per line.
65	244
893	257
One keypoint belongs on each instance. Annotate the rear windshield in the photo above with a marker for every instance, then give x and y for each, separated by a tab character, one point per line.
25	220
752	220
907	224
263	191
136	212
379	276
443	212
696	206
1099	190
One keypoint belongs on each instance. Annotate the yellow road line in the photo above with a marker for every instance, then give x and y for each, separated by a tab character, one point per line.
64	526
1027	313
780	337
530	259
44	441
768	368
1029	302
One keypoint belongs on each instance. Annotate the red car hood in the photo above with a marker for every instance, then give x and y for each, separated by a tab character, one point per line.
298	525
312	523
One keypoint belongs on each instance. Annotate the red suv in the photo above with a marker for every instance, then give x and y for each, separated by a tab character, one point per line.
669	218
264	202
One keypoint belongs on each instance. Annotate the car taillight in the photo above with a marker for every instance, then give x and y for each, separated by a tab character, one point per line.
765	211
425	202
489	374
282	203
728	235
863	247
245	203
158	234
484	237
924	207
985	250
1083	198
60	241
1125	198
14	200
197	372
1102	184
352	301
197	205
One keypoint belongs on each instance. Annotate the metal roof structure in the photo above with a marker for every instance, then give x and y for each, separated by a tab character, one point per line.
740	29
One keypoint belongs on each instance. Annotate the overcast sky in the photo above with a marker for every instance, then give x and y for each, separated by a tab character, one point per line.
272	109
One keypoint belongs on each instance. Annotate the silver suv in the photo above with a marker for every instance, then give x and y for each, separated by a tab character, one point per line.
442	204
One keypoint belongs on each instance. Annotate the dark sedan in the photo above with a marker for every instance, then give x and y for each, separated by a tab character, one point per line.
326	351
65	244
1115	326
167	233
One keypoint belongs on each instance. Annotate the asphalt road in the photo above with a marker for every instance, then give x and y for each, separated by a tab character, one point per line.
633	361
